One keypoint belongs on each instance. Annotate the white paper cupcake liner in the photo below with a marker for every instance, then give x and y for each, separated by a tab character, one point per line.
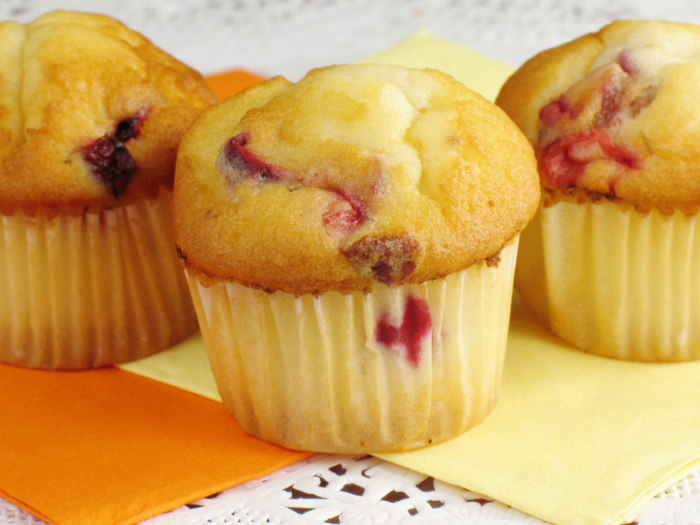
311	372
614	282
91	290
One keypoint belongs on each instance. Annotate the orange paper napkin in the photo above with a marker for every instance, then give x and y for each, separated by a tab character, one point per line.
111	447
229	83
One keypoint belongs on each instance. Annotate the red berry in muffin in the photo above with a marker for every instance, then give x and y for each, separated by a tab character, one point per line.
109	158
582	125
416	326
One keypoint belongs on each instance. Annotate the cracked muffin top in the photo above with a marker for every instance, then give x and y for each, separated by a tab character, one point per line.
616	115
91	113
355	175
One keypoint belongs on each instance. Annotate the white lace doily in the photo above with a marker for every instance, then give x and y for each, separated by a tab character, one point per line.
289	37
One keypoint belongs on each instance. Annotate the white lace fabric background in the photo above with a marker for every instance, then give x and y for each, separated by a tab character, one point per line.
289	37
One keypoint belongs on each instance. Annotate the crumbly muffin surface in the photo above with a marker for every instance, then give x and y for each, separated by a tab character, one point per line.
91	113
615	115
355	175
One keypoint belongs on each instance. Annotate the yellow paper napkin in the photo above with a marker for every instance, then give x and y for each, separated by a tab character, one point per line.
483	74
575	439
185	366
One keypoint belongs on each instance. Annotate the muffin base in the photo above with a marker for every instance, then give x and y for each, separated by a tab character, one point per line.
311	372
614	282
96	289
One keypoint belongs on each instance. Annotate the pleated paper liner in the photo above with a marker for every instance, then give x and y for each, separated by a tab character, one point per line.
91	290
613	281
356	373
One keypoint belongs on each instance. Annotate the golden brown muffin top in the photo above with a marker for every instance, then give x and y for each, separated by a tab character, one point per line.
353	176
91	113
616	114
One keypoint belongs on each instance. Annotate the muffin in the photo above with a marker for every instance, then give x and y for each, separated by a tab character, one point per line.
90	121
611	262
349	242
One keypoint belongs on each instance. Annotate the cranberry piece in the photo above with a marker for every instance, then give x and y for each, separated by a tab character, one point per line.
566	159
610	102
554	111
416	325
111	163
627	63
129	128
345	214
110	160
388	258
242	159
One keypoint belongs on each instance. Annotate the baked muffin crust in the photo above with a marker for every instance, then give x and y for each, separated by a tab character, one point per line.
355	175
79	91
615	115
